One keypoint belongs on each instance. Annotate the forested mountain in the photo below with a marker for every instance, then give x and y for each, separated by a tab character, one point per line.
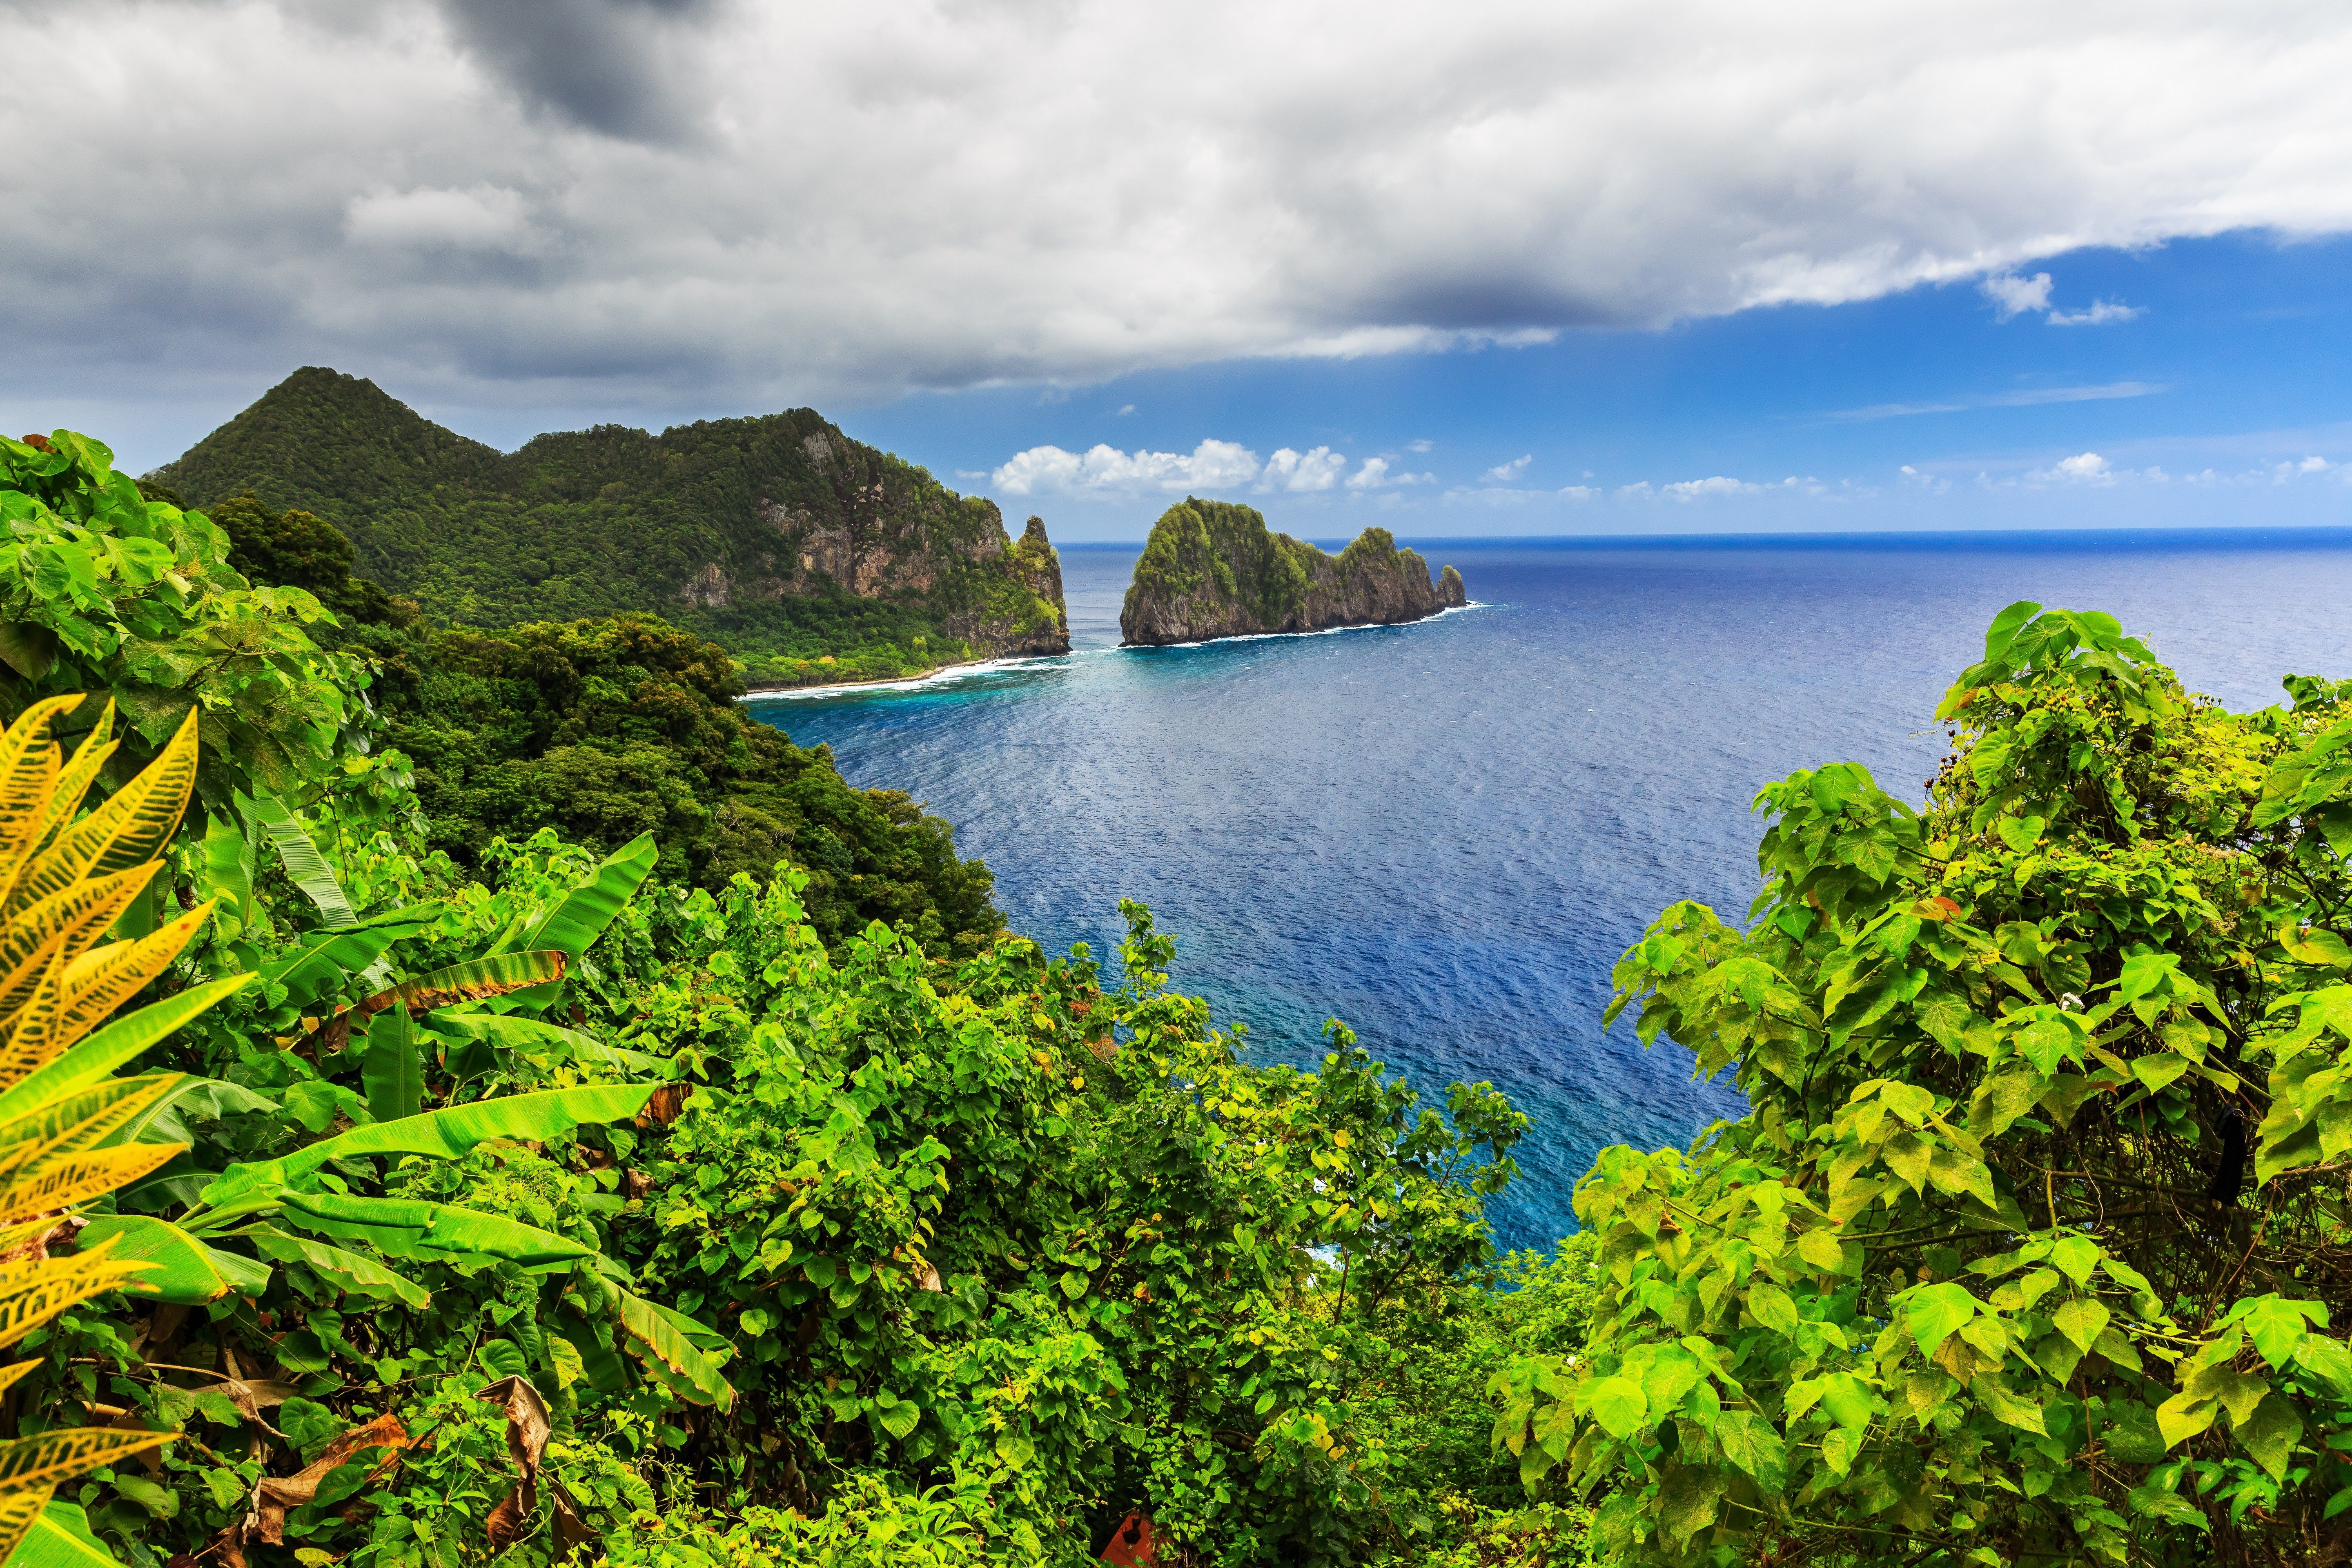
810	556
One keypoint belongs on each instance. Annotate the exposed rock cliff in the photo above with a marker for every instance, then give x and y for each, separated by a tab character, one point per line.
1214	570
811	556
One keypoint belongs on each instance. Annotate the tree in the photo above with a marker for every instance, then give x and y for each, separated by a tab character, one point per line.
2025	1249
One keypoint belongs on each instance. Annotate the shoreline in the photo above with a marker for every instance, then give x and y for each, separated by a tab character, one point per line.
986	665
937	673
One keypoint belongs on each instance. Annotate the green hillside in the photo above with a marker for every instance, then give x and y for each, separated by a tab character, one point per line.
812	557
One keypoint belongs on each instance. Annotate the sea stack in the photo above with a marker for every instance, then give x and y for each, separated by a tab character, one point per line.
1212	569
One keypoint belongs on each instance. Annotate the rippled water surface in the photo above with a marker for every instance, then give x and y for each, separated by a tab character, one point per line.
1445	834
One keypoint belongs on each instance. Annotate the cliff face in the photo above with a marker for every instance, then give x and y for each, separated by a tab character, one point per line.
1214	570
778	535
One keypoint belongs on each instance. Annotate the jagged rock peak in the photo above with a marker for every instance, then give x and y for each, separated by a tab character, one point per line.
1212	569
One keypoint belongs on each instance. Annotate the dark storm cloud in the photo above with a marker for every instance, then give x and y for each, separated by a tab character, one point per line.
605	65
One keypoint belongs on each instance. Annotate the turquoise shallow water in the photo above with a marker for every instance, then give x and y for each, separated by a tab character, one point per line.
1445	834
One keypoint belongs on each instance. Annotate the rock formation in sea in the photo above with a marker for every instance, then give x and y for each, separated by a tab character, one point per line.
1212	569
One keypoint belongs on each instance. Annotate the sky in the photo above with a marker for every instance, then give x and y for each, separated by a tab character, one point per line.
1486	269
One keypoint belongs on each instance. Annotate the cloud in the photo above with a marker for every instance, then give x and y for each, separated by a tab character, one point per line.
1422	445
1717	485
1102	470
1301	471
487	217
2101	313
2015	296
2083	469
1125	409
2029	397
1504	473
727	205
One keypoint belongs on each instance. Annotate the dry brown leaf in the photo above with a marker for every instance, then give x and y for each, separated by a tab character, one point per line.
526	1434
277	1494
665	1104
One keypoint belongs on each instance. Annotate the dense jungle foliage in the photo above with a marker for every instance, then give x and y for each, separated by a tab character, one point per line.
726	525
539	1204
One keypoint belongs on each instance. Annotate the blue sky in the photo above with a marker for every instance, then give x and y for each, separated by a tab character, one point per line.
1505	266
2232	361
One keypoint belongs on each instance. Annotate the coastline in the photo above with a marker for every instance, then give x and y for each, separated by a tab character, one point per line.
893	682
1318	631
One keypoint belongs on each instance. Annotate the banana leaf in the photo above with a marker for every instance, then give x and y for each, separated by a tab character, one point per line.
304	864
574	925
60	1538
445	1134
229	867
327	958
363	1276
665	1340
471	980
409	1227
510	1032
392	1070
186	1273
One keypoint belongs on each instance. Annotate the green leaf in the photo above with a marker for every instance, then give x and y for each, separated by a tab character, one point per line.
1686	1500
503	1358
1823	1249
2082	1320
60	1538
394	1069
661	1339
563	1358
2075	1257
1618	1404
2005	627
302	860
1936	1311
354	1273
1749	1441
409	1227
901	1418
185	1272
2184	1415
1772	1307
2007	1408
2020	833
229	867
445	1134
2157	1071
2270	1437
2277	1327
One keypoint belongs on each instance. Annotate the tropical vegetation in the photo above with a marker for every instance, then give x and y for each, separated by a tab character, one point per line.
416	1157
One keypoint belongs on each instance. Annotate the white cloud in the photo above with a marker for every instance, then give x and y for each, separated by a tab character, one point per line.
1422	445
1720	485
2015	296
2082	468
743	205
1302	472
1211	466
2101	313
1125	409
1375	474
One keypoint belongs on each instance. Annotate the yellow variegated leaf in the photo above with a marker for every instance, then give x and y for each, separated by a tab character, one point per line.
29	760
77	1177
147	810
33	1293
82	912
40	871
137	821
82	1119
48	1457
18	1510
77	998
9	1377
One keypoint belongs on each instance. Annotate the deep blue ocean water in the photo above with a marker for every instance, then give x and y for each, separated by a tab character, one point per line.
1445	834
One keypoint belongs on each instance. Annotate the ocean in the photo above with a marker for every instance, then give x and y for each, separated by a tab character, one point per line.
1445	834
